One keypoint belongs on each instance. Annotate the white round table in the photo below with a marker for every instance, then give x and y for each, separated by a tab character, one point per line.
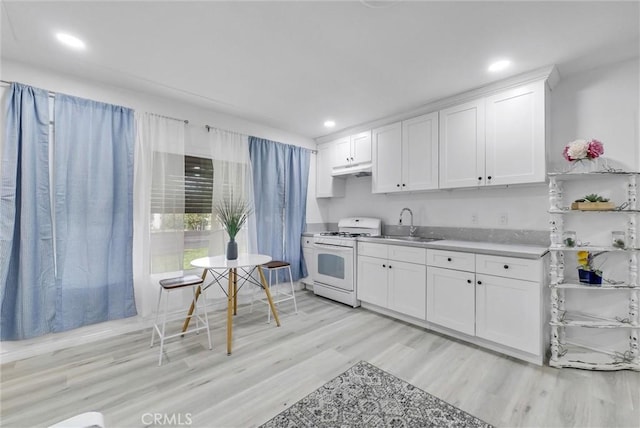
219	267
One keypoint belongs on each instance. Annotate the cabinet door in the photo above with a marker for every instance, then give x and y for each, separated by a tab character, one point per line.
420	152
309	261
408	289
326	185
451	299
372	280
387	158
342	149
461	145
361	147
508	312
515	126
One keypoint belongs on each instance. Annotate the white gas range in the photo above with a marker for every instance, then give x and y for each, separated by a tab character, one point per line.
335	258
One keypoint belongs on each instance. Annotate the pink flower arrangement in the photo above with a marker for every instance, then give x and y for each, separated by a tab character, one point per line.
581	149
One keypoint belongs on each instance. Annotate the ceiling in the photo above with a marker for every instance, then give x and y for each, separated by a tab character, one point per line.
292	65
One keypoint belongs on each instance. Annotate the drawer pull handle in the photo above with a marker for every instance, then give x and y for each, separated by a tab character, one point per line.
489	177
389	266
384	266
479	282
448	259
468	281
397	185
506	266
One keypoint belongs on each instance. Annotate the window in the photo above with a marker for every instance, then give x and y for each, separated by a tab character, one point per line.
181	211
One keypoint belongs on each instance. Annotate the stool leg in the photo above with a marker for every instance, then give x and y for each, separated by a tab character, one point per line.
206	318
155	322
196	312
293	293
164	323
269	307
268	293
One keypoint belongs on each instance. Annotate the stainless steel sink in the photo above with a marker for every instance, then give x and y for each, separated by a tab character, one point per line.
407	238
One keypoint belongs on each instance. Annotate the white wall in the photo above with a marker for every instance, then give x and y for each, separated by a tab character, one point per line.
600	103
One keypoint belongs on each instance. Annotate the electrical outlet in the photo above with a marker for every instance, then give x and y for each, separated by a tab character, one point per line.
503	219
474	218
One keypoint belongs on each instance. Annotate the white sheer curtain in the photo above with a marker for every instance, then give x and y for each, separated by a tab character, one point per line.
158	210
231	176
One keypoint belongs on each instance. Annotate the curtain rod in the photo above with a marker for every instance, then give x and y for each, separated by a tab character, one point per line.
53	94
186	121
209	128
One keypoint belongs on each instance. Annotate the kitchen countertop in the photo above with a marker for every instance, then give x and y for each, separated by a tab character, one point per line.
490	248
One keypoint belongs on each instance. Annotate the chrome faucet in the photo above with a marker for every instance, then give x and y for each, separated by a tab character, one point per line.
412	229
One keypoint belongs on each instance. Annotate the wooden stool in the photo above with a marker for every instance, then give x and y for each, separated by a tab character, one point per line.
171	284
279	296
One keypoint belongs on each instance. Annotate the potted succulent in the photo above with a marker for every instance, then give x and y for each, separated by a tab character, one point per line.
587	273
592	202
232	213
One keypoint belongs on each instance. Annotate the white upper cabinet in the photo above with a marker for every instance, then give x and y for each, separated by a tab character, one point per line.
420	152
326	185
387	158
405	155
462	145
342	151
496	140
515	132
353	150
361	147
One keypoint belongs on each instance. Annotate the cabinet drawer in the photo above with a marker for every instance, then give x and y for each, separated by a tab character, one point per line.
408	254
509	267
373	250
451	260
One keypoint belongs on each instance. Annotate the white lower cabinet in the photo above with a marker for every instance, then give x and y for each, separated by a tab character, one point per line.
309	259
494	298
492	301
386	281
373	280
407	288
508	312
451	299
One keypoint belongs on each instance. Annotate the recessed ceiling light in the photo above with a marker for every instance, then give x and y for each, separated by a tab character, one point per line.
70	41
329	123
500	65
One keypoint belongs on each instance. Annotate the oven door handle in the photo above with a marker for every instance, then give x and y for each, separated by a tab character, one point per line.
332	247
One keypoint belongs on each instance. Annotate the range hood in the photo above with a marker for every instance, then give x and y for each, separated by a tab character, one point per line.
359	170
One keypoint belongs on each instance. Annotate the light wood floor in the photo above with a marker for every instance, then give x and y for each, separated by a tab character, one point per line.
272	368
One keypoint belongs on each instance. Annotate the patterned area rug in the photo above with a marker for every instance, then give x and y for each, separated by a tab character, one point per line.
365	396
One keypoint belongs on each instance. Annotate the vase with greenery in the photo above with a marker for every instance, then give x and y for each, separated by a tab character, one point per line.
232	213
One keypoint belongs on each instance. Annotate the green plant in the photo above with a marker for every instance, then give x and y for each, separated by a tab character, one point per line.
232	214
594	197
619	243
